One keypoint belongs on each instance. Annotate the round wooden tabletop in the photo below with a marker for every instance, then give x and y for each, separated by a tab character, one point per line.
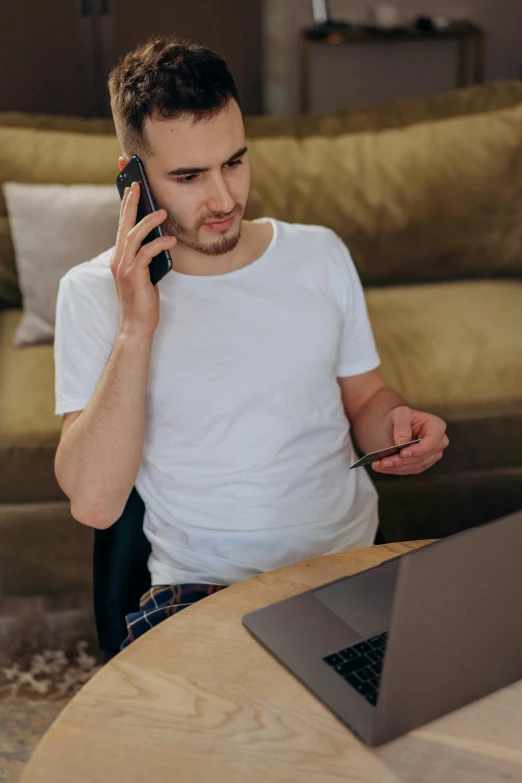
197	698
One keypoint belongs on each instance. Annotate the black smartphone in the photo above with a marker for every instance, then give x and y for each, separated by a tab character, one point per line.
134	171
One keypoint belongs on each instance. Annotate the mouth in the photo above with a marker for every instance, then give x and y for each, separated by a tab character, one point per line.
221	225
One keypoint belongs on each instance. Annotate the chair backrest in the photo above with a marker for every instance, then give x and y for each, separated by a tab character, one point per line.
120	574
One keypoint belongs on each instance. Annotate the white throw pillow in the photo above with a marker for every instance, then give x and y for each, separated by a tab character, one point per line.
55	227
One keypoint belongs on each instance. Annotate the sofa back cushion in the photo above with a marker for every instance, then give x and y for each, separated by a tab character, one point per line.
430	202
475	99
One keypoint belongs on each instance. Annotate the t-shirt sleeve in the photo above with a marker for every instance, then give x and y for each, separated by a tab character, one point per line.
82	347
358	352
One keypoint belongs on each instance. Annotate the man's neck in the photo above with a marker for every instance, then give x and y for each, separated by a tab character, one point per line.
254	239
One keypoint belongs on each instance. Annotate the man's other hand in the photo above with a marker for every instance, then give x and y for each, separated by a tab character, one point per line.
407	424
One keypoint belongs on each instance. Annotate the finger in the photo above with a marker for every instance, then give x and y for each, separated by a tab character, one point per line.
149	250
431	439
130	209
388	466
418	467
124	199
136	232
126	202
126	222
129	212
402	425
407	455
135	237
412	470
124	196
120	236
399	461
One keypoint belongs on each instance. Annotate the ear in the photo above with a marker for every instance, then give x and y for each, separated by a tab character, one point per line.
122	162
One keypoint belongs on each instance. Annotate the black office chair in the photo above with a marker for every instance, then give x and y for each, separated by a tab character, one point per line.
120	574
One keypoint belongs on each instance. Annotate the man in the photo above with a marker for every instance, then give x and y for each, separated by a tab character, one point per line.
230	413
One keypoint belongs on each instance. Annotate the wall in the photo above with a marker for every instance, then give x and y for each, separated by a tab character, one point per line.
362	75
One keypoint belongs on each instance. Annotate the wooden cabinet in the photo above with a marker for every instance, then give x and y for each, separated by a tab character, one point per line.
56	56
46	57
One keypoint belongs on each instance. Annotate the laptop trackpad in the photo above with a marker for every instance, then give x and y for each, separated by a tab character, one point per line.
364	601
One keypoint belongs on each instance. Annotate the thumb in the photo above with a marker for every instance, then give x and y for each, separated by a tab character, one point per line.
402	425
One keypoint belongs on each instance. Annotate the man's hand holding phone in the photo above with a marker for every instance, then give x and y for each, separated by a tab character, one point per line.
138	297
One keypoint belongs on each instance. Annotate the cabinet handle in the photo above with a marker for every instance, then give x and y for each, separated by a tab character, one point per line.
86	8
104	7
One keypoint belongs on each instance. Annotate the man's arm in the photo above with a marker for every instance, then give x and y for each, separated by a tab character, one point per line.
98	456
380	417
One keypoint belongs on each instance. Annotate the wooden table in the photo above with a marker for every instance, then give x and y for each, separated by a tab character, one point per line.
197	700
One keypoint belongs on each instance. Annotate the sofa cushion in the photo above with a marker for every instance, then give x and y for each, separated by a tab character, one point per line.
10	294
433	201
55	227
393	114
44	550
453	349
434	505
29	430
60	122
475	99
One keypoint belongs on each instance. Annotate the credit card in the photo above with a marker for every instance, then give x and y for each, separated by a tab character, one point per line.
375	456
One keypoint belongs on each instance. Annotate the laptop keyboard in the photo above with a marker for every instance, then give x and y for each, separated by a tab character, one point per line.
361	665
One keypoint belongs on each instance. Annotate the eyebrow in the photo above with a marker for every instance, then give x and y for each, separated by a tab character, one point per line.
186	171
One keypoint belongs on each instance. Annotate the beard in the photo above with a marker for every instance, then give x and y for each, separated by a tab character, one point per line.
190	237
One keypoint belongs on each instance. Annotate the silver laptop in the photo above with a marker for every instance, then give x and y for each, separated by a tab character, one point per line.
398	645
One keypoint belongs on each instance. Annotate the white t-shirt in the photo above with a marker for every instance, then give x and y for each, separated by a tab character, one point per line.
246	456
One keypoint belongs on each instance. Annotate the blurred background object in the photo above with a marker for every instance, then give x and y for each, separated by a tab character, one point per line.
466	35
65	70
320	11
323	20
385	15
362	75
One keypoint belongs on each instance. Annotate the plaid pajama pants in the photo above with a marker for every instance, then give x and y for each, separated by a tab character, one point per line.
160	602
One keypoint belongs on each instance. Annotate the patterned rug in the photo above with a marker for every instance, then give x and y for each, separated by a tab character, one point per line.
48	650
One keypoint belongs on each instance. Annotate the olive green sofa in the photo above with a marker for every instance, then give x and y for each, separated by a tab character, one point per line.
427	194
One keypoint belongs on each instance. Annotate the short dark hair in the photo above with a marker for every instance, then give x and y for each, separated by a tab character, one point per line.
166	78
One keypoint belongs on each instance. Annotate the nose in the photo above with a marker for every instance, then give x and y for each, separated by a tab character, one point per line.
220	200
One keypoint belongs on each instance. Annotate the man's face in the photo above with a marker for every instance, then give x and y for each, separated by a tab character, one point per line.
196	198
